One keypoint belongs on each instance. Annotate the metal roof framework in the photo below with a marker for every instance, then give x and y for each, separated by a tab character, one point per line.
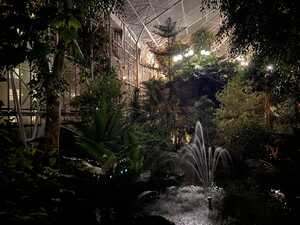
142	15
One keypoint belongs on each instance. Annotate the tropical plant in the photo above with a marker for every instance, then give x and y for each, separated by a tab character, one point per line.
284	116
43	33
200	43
105	87
162	104
245	203
156	147
154	95
241	106
153	126
135	106
249	25
168	32
204	110
250	28
110	141
202	40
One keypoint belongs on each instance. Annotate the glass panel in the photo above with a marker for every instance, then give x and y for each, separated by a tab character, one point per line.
3	91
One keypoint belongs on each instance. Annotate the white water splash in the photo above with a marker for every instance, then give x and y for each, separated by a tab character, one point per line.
201	162
188	205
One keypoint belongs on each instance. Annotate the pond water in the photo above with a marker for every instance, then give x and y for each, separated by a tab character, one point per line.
188	205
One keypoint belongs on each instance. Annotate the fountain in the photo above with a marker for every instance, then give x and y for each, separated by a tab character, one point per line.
202	162
195	205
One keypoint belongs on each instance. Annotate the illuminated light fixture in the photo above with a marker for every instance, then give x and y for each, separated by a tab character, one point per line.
34	119
189	53
19	31
205	53
151	58
240	58
244	63
177	58
164	77
270	68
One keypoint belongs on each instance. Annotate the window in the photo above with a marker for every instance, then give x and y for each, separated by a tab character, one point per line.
116	41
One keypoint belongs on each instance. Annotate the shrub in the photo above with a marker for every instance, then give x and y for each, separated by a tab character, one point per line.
245	204
240	119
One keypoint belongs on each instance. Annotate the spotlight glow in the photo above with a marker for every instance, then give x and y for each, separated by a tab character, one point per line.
240	58
244	63
189	53
177	58
205	53
270	68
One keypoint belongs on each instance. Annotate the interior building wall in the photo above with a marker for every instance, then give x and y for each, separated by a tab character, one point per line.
128	57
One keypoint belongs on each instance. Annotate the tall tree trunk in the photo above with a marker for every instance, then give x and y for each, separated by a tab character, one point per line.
53	102
53	113
268	110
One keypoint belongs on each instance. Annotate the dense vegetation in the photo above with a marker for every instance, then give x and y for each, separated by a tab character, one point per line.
104	167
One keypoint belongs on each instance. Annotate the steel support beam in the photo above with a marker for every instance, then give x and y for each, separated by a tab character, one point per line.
163	12
200	18
154	11
138	57
184	17
141	21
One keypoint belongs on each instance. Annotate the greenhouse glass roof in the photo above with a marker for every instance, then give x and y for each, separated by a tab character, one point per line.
142	15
